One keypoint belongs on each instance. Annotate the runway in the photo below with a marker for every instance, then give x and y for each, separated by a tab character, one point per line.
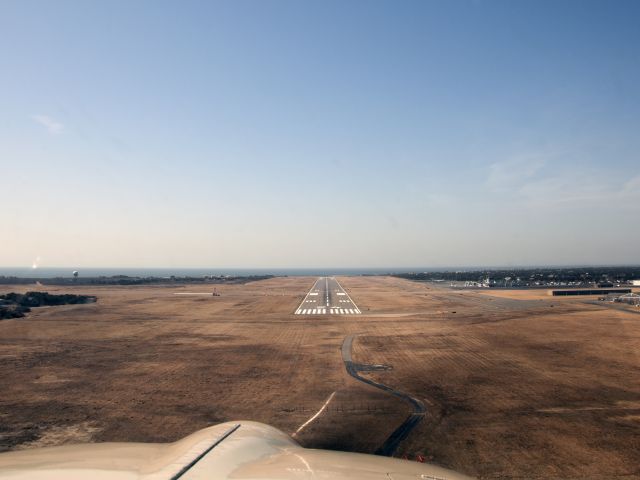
327	297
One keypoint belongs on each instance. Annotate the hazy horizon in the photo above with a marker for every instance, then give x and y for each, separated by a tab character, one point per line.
252	134
93	271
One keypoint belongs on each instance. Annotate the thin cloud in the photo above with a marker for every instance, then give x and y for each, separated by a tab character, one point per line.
530	180
513	172
53	126
585	190
632	187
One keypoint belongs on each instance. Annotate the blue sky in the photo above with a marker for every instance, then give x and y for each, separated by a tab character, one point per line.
318	134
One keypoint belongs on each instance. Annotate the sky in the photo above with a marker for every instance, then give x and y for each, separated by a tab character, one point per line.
319	133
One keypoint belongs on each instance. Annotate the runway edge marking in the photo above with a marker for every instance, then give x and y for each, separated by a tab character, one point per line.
349	296
307	296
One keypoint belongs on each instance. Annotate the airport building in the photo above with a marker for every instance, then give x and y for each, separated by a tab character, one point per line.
588	291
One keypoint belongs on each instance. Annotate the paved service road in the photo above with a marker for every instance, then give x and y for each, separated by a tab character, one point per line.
327	297
391	444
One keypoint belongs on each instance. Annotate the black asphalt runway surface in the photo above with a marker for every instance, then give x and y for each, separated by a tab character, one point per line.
391	444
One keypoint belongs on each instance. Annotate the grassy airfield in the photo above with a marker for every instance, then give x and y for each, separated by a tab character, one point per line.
517	384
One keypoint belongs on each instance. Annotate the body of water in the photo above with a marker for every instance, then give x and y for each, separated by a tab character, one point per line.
52	272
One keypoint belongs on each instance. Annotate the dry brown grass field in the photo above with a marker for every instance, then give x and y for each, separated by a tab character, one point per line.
517	385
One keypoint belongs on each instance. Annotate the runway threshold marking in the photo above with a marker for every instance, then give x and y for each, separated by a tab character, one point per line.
317	414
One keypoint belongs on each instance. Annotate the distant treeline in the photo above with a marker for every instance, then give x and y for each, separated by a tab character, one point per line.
529	276
126	280
15	305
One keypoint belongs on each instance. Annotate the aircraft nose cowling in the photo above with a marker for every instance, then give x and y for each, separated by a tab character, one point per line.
256	451
235	450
